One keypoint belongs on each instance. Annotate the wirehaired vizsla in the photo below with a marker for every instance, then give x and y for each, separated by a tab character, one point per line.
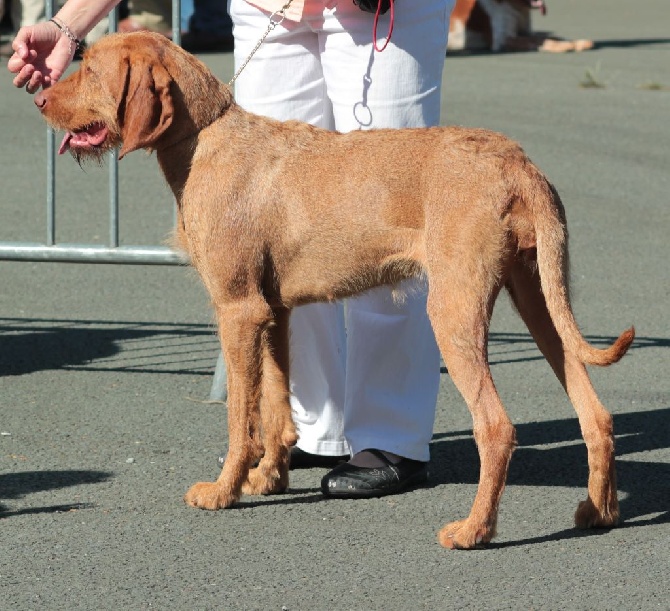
278	214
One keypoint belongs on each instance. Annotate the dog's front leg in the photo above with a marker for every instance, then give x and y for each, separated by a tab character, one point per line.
242	326
271	475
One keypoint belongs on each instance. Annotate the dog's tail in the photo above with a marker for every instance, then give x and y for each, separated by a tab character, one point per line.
552	260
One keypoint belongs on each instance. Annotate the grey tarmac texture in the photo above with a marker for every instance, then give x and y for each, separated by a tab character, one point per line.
104	369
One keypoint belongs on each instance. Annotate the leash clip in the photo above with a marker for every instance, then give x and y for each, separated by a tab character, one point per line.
274	22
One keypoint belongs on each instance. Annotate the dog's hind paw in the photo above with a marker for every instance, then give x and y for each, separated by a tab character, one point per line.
208	495
589	516
461	535
259	481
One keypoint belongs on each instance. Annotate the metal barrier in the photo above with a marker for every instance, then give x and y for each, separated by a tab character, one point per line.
93	253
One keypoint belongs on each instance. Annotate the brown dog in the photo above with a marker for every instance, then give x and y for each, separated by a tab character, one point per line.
274	215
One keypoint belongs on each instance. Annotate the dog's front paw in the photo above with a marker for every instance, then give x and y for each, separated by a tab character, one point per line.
208	495
260	481
462	535
589	516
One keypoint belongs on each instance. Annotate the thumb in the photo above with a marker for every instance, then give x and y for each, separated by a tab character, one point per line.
21	43
21	48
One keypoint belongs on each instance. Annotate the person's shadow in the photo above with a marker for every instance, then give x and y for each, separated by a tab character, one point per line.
18	485
27	346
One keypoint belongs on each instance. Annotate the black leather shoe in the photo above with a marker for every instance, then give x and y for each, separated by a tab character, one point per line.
348	481
304	460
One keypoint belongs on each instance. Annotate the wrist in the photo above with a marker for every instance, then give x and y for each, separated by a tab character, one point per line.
75	43
82	15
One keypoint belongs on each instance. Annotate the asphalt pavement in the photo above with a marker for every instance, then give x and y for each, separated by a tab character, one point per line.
105	371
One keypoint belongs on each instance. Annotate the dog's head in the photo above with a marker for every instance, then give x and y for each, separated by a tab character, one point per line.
127	91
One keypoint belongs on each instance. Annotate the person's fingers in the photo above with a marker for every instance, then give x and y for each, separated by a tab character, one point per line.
18	64
24	75
35	82
15	63
21	42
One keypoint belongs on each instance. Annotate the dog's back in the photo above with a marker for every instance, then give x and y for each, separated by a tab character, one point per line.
278	214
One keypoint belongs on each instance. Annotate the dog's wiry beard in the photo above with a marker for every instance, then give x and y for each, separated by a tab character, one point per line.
95	155
82	156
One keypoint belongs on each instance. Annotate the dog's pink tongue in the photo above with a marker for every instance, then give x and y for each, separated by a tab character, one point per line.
65	144
93	136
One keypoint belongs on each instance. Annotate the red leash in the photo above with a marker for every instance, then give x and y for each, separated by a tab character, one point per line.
374	28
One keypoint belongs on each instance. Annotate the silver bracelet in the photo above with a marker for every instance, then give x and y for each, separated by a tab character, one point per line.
68	32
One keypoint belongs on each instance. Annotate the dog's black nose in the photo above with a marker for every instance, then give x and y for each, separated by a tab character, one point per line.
40	100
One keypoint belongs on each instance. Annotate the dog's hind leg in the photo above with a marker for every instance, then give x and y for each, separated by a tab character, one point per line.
271	475
601	508
242	326
459	306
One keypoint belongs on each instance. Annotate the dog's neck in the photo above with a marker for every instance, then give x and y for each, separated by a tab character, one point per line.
200	100
198	97
196	112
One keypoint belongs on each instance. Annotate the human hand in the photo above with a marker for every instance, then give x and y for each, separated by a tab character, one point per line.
42	53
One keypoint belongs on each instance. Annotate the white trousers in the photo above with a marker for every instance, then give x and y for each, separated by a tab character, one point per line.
365	375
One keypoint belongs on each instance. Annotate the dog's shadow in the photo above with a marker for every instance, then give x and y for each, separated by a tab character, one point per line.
643	486
552	453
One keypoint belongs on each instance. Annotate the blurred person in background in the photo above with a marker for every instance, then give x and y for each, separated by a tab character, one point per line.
208	28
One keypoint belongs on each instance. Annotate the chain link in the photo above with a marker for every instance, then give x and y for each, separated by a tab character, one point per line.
275	19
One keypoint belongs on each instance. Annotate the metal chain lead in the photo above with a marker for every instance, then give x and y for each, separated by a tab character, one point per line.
275	19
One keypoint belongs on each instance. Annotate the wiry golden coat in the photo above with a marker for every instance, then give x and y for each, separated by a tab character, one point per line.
278	214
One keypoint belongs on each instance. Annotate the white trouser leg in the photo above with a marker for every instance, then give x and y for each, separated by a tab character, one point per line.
330	77
285	81
392	369
392	374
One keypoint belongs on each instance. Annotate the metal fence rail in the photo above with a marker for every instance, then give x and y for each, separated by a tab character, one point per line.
91	253
51	251
88	253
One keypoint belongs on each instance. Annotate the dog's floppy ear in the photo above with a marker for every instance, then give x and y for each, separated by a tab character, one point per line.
145	105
